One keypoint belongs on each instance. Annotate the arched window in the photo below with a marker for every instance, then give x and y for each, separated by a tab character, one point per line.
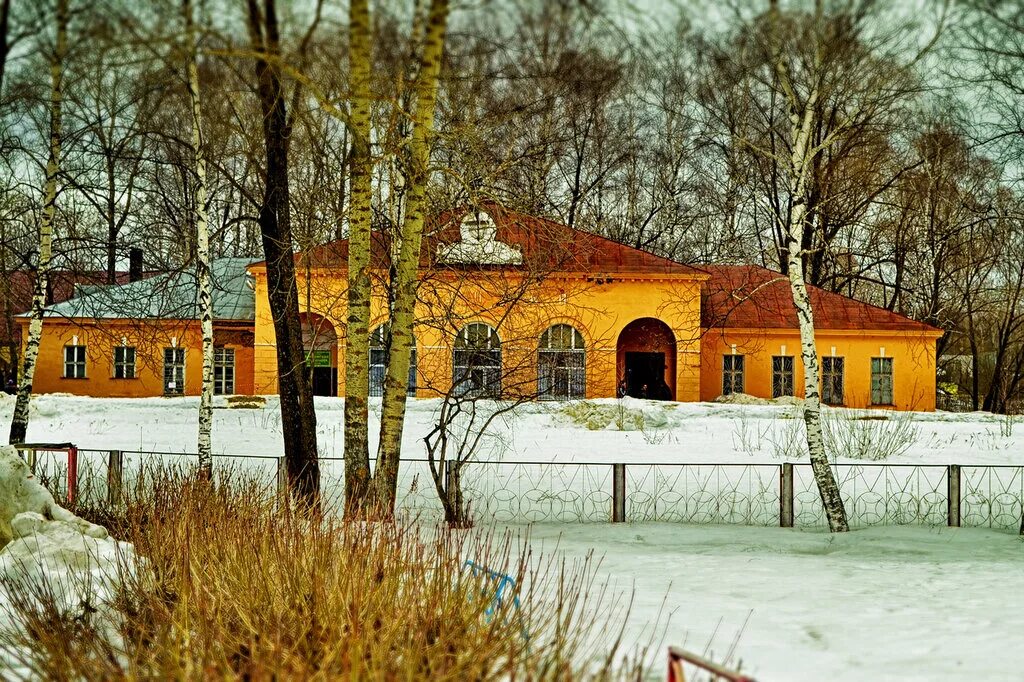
379	341
476	362
561	364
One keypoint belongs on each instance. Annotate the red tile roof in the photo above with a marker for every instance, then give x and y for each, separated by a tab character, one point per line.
739	296
748	296
546	245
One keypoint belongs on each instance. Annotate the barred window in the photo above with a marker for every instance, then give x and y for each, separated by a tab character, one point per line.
380	343
223	371
74	362
174	371
124	362
732	374
476	362
561	364
782	375
881	381
832	371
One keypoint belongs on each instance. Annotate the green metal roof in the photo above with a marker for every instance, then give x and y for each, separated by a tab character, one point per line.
168	296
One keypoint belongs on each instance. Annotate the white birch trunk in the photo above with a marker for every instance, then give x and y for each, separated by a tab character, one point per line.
205	298
19	422
800	168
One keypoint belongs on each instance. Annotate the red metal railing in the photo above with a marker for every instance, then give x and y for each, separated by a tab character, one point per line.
677	656
70	448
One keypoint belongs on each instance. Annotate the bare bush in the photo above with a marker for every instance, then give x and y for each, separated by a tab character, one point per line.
863	435
234	584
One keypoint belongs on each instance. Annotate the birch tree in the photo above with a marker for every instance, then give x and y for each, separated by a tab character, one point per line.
205	294
405	270
804	53
19	422
357	334
800	166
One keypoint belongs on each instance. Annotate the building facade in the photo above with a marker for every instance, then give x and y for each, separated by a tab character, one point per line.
143	339
514	306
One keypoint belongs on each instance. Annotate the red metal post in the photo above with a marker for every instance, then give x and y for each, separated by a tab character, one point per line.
72	474
677	656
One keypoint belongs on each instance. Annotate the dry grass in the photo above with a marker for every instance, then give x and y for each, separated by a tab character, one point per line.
237	586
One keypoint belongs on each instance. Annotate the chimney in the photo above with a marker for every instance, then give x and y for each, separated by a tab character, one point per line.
134	264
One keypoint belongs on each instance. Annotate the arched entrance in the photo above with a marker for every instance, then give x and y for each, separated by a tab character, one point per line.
646	360
321	345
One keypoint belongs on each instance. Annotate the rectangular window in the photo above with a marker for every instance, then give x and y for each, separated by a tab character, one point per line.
379	369
74	362
832	370
223	371
881	381
124	362
732	374
782	375
174	371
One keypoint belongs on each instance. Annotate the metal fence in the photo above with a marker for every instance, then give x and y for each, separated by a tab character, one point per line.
745	494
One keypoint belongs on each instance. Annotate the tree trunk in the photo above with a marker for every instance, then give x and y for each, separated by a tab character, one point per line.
831	500
298	417
5	23
19	422
357	333
801	170
385	479
205	299
112	227
9	370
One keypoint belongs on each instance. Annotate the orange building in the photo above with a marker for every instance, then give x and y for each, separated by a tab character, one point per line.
143	338
512	305
868	356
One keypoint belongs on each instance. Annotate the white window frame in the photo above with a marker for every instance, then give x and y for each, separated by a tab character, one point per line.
883	382
174	366
223	370
561	364
124	367
476	368
75	362
379	363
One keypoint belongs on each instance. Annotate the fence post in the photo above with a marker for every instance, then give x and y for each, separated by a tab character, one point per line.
282	477
446	476
618	493
786	496
72	474
115	477
953	495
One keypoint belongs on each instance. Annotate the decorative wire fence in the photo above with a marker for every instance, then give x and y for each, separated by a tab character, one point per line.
523	492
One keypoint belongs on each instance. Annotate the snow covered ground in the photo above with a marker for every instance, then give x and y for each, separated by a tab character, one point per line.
697	463
905	604
539	432
908	603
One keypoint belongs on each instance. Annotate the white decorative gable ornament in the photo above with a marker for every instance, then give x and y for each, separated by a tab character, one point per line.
479	244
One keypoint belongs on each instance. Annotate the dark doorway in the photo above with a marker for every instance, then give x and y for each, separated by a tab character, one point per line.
646	355
325	381
645	376
321	345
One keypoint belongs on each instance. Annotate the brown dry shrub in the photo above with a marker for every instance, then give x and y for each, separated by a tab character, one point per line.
236	585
